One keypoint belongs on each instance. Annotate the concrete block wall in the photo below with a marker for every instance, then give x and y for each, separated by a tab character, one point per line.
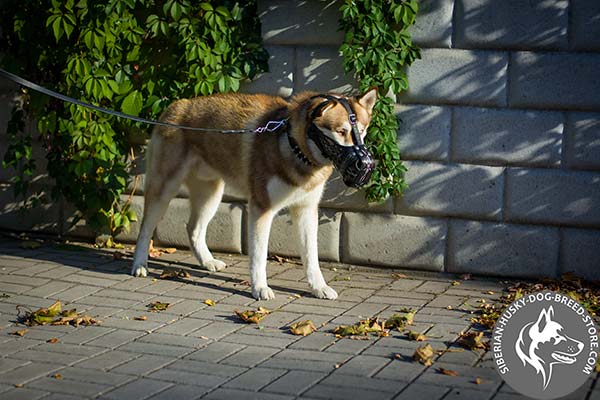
500	130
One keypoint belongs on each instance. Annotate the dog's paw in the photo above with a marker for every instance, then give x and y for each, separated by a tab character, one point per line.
325	292
215	265
139	270
263	293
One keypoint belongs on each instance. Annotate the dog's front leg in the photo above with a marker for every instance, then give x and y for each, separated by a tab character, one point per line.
259	227
306	219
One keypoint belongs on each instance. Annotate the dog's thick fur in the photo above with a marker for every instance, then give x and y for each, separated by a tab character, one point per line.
544	343
260	167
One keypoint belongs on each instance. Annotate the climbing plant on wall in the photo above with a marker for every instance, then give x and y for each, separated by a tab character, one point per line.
133	55
377	48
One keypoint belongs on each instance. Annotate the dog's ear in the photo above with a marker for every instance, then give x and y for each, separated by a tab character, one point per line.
368	100
544	318
320	108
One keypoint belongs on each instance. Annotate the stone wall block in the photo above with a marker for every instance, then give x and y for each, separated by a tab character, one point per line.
583	141
279	80
321	69
424	132
555	81
452	190
433	27
511	24
394	241
503	250
313	22
445	76
585	25
224	230
284	236
553	197
580	252
501	137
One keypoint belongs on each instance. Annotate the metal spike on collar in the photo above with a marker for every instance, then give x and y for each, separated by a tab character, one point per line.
298	152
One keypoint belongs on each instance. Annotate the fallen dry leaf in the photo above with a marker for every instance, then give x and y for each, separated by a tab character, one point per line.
107	241
424	354
477	381
30	245
397	276
21	332
52	340
399	321
455	283
473	341
140	318
303	328
57	376
419	337
158	306
253	317
173	273
209	302
448	372
19	385
360	330
169	250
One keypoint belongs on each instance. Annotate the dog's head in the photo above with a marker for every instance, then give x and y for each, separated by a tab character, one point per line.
337	127
544	343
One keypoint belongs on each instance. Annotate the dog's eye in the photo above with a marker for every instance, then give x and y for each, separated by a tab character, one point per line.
342	132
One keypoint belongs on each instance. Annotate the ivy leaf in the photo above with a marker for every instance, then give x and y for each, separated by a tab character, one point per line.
132	104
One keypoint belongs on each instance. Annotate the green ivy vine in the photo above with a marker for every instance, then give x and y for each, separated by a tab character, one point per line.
133	55
377	48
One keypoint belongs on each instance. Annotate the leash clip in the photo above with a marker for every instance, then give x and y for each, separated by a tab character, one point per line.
271	126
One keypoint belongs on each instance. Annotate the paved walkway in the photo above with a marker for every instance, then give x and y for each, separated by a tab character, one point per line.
193	350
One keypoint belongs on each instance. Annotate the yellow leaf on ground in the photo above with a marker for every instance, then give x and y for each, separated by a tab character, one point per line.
424	354
209	302
158	306
448	372
253	317
303	328
419	337
21	332
140	318
57	376
52	340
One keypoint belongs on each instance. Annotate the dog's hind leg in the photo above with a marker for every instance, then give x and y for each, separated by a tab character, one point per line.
162	183
205	197
259	228
306	219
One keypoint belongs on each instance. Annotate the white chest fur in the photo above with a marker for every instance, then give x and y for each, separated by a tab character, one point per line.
282	195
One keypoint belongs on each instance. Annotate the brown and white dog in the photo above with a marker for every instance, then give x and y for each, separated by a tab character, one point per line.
272	170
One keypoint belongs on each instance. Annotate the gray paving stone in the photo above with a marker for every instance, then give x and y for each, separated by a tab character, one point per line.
116	338
533	249
383	385
227	394
188	378
49	289
141	365
458	190
580	248
83	389
554	80
584	29
215	352
501	137
201	367
139	389
400	371
322	391
107	360
363	365
27	372
430	392
250	356
582	133
216	330
511	24
349	346
24	393
398	241
179	391
316	341
156	349
58	359
255	379
76	292
294	382
553	197
302	365
446	76
424	132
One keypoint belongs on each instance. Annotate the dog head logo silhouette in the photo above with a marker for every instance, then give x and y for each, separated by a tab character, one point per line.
544	343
